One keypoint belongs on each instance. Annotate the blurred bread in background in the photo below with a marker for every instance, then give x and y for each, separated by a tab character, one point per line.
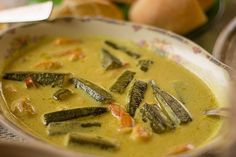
123	1
103	8
180	16
2	26
206	4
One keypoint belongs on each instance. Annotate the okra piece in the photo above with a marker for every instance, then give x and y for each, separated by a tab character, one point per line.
96	92
123	49
145	64
136	96
177	107
59	128
70	114
158	121
92	140
109	61
42	78
122	82
171	105
155	124
62	94
91	124
163	104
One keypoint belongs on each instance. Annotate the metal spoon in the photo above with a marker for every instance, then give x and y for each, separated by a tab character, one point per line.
219	112
30	13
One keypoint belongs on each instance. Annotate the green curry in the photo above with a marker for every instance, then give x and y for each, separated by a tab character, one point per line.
109	98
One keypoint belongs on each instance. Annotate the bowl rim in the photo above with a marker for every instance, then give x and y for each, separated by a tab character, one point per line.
26	134
162	31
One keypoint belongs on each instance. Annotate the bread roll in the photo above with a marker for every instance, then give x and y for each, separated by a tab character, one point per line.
206	4
180	16
3	26
123	1
103	8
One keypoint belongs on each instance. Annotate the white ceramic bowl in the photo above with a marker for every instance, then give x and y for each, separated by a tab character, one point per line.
164	43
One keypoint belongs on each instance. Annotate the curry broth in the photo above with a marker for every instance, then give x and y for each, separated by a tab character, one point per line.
198	97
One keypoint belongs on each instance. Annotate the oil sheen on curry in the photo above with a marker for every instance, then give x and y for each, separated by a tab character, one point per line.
107	97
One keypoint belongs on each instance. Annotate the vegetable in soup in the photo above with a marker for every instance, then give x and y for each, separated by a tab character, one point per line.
108	97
